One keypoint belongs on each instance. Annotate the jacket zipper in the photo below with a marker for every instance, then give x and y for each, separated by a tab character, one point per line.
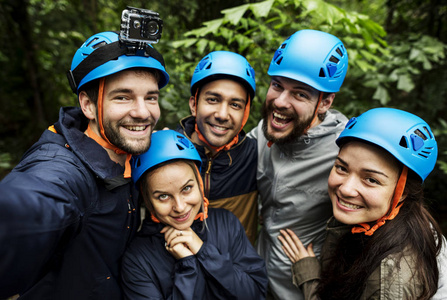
207	179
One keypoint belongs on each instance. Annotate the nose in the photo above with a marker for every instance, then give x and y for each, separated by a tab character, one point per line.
281	101
348	187
179	204
140	109
221	112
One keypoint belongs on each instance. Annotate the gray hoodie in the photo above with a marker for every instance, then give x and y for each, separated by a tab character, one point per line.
292	184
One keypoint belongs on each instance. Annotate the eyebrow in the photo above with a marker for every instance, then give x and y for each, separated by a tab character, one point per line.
303	86
129	91
366	170
215	94
162	192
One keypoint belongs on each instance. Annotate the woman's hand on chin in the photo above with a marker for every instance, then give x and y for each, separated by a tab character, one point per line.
181	243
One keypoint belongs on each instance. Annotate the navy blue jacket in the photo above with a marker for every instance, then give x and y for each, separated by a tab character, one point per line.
226	266
229	177
66	217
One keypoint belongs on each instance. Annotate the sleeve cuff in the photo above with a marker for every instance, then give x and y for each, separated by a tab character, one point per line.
306	269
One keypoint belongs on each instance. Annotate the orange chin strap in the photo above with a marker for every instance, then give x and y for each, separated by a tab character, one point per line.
314	118
202	215
366	228
236	137
103	140
320	98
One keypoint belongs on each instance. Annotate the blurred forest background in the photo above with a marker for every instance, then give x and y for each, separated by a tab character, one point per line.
397	58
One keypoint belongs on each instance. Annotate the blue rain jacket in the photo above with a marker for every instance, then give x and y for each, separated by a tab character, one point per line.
226	266
66	217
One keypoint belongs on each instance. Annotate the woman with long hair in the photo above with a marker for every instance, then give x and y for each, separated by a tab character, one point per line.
186	250
381	243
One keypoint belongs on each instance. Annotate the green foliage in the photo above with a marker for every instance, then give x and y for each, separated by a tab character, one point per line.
389	64
255	30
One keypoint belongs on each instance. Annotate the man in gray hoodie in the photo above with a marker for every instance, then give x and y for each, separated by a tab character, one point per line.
296	148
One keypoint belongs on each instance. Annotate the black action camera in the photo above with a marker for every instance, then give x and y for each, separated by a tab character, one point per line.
140	26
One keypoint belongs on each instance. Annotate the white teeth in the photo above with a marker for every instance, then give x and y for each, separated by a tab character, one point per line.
219	128
181	217
348	205
276	115
136	128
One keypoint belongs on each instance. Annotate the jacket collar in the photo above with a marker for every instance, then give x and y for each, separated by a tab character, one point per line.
72	124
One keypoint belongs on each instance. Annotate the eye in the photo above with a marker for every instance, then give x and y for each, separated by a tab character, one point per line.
371	180
275	85
237	105
187	188
163	197
340	169
301	95
152	98
212	100
122	98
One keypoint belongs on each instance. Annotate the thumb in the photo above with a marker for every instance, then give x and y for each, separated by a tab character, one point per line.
310	250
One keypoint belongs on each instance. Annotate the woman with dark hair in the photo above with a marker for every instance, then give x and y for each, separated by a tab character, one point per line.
382	243
185	250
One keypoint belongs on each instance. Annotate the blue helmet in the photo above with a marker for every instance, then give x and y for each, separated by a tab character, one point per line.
166	145
313	57
224	64
102	55
406	136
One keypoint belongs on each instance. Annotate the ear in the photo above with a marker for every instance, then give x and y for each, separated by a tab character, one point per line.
87	106
192	106
326	103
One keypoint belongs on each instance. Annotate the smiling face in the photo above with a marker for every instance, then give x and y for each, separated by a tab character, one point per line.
220	111
362	183
173	195
130	109
289	109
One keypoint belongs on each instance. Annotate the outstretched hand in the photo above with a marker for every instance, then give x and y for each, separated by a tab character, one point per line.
293	247
181	243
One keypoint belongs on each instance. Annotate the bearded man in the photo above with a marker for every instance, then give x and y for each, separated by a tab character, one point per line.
296	148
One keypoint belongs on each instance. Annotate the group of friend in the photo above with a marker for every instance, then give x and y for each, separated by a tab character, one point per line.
307	205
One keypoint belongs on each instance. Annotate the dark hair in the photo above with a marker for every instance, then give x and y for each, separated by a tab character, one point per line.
356	256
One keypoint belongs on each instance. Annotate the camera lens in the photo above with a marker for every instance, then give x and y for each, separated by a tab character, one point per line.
152	28
136	24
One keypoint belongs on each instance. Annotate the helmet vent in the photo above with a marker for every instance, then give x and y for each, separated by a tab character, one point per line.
185	143
283	45
278	62
92	41
209	66
99	45
339	52
403	142
351	123
428	132
334	59
322	73
138	162
420	134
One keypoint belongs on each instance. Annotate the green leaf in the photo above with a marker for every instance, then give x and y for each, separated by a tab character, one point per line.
405	83
183	43
233	15
261	9
382	95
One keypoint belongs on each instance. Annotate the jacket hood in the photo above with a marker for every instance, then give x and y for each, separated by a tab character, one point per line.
71	125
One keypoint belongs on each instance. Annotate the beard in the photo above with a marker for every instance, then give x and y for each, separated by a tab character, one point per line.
299	126
112	132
